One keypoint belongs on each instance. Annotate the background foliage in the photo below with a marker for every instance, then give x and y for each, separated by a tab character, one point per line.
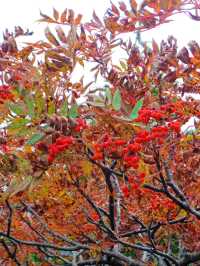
100	176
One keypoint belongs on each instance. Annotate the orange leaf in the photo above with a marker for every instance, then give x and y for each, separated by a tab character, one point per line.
78	19
133	4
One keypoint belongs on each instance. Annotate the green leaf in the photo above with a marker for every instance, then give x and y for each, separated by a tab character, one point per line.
137	107
19	91
30	105
16	108
73	112
155	91
64	108
35	138
23	131
130	253
174	99
23	165
39	103
51	108
123	65
175	245
33	257
18	123
108	95
116	102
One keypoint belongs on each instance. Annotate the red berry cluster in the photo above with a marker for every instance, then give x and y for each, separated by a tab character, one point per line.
80	125
98	153
134	184
158	133
129	152
145	114
5	148
125	191
5	93
143	136
173	108
107	145
132	161
175	126
61	144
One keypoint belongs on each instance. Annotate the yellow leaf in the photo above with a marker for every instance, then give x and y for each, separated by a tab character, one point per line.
87	168
143	167
28	149
181	214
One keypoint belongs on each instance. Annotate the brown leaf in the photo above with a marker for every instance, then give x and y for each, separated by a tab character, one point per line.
72	36
96	19
63	17
194	48
70	18
183	55
25	52
17	186
155	47
133	4
55	14
61	34
51	38
171	76
122	6
45	18
194	17
82	35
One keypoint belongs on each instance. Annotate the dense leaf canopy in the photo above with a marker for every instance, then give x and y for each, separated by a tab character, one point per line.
104	175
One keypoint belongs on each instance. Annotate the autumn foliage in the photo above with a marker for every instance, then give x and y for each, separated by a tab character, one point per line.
104	175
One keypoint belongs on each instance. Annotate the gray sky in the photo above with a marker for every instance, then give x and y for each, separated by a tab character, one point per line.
26	12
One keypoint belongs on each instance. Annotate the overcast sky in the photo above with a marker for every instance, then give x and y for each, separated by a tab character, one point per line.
26	12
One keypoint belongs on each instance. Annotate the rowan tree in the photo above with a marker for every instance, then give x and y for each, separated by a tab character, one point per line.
100	175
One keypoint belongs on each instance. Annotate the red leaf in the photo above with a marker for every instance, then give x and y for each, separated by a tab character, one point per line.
155	47
96	19
122	6
114	9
